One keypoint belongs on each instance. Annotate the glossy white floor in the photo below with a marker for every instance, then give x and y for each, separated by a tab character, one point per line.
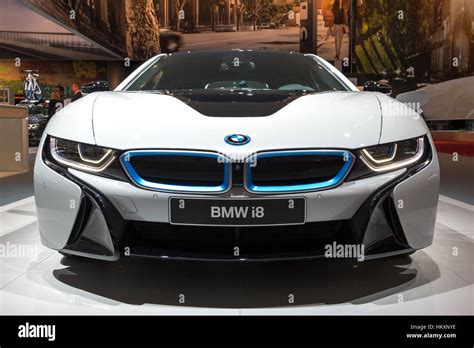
436	280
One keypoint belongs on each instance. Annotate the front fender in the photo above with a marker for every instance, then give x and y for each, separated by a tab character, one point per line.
74	122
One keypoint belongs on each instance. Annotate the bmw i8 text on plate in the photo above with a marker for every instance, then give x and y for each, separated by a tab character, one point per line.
236	155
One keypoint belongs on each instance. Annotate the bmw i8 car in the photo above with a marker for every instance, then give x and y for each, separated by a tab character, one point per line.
236	155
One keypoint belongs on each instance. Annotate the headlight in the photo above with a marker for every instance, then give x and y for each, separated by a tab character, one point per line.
392	156
33	126
85	157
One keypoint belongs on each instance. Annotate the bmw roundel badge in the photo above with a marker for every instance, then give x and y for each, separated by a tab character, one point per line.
237	139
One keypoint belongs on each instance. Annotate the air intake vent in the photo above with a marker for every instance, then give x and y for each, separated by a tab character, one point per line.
178	171
293	171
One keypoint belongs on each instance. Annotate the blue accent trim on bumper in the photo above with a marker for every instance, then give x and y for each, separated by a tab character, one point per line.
138	180
337	179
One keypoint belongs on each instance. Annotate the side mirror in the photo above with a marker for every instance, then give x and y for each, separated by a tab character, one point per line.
374	86
95	86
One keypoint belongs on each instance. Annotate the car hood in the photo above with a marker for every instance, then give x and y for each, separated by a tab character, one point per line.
132	120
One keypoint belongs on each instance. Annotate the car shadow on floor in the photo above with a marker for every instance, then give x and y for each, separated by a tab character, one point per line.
247	285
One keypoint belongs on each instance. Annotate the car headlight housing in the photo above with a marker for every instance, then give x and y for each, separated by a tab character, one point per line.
85	157
377	159
392	156
61	154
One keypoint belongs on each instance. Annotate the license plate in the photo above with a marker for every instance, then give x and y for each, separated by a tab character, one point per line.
237	212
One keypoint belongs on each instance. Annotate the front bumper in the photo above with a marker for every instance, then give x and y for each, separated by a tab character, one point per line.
93	216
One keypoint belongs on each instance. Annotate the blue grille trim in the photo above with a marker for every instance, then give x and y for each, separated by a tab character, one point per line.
336	180
138	180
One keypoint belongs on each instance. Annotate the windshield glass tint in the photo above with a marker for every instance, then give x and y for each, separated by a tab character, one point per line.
231	70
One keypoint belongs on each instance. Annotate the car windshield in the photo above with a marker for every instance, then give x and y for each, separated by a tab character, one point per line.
237	70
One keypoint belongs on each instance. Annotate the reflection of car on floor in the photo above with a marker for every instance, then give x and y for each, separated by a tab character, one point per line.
213	155
37	120
170	41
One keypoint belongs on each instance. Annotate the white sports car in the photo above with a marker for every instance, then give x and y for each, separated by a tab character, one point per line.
236	155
